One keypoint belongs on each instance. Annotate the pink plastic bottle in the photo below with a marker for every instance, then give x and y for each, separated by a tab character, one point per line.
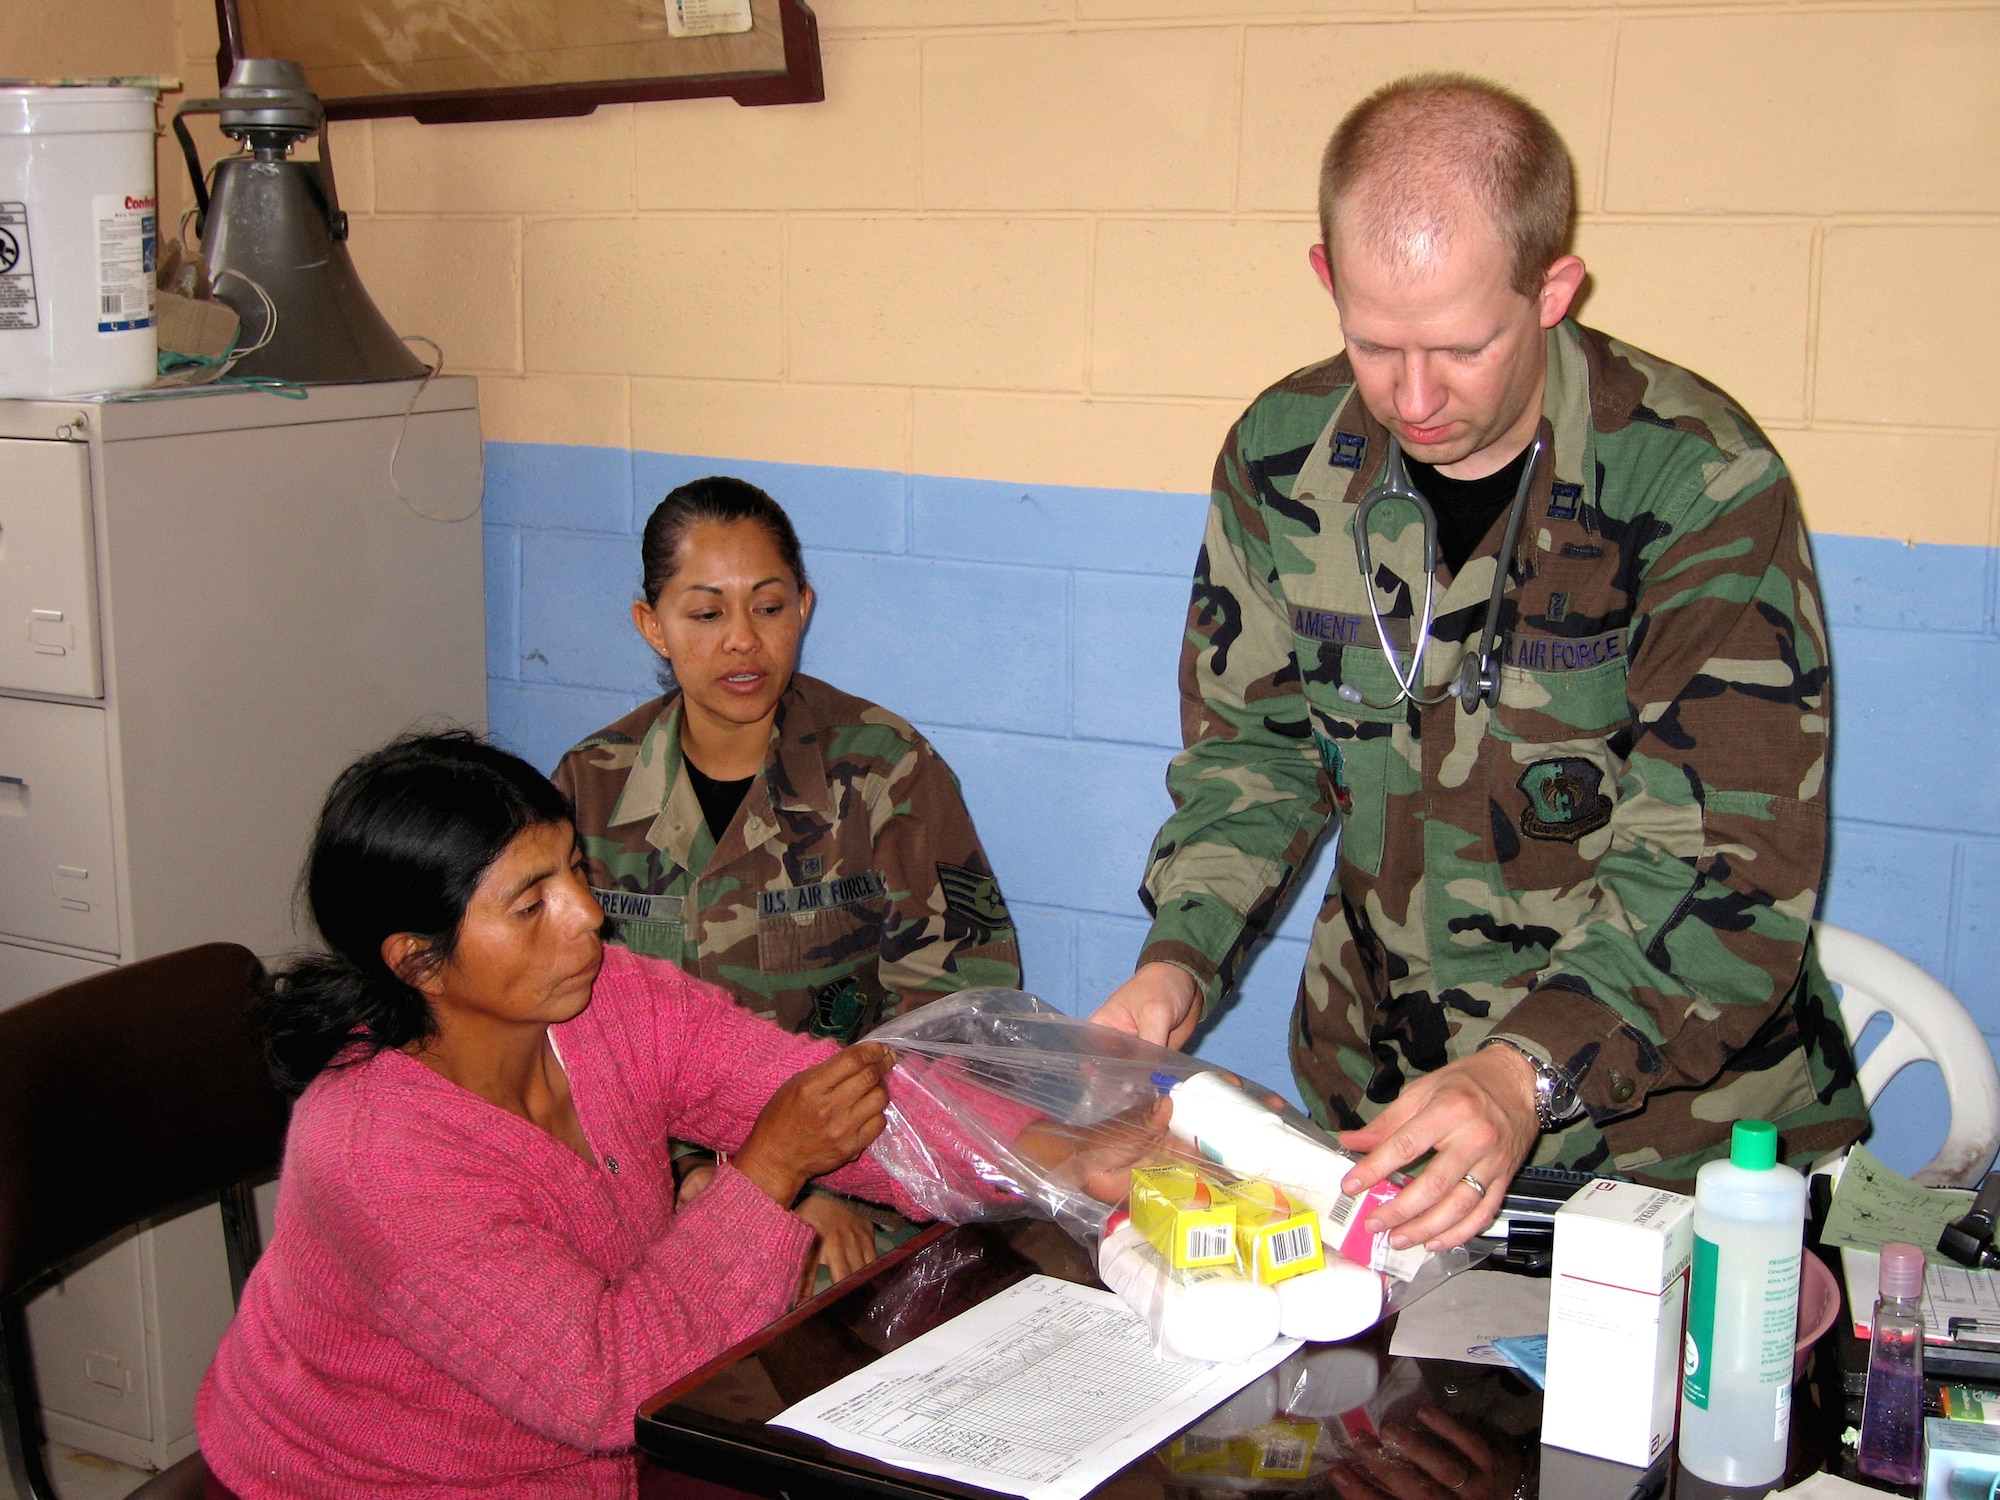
1892	1413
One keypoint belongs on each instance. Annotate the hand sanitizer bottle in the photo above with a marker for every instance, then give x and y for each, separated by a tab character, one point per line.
1743	1309
1892	1413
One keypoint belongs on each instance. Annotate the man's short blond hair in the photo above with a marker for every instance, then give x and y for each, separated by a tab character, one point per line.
1407	160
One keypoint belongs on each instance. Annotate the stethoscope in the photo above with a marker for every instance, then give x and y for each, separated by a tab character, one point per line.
1478	679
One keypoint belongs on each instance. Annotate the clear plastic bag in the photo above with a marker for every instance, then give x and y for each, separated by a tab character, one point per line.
1004	1106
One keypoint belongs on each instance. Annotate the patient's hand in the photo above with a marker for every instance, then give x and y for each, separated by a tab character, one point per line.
846	1239
694	1180
1098	1159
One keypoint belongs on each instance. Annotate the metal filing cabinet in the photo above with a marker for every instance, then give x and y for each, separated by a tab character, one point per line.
209	604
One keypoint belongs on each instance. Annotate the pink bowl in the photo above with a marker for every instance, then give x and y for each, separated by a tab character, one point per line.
1819	1305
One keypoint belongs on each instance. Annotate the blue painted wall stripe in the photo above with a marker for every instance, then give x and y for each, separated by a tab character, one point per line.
1033	632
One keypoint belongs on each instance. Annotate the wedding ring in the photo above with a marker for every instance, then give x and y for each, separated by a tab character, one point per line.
1474	1183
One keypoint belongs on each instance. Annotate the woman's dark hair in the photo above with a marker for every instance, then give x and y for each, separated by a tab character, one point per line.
717	498
406	834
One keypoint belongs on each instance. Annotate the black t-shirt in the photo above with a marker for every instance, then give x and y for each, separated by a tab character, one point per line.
1466	508
719	799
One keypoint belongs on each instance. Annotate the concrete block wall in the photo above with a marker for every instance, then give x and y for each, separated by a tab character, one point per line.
981	319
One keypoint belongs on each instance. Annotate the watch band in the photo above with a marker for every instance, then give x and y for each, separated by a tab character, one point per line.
1556	1102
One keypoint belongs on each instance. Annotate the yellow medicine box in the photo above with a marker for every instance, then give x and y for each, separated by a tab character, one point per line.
1280	1449
1189	1222
1276	1239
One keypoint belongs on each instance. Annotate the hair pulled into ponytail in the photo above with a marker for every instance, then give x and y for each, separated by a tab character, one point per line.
403	841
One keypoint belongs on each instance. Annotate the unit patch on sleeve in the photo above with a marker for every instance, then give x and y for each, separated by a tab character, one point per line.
973	896
822	895
1565	799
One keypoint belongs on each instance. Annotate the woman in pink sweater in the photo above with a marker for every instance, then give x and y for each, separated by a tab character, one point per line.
478	1272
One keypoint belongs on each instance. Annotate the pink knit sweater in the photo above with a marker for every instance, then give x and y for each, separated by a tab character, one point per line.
453	1300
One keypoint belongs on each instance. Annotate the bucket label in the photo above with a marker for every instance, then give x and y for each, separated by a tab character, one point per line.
127	258
17	270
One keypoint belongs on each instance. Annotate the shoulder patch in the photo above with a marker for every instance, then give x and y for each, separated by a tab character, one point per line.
973	896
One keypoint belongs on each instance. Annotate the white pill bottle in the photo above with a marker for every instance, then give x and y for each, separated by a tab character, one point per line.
1743	1310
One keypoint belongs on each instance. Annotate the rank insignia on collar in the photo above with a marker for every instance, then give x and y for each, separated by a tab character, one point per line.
1563	500
1347	450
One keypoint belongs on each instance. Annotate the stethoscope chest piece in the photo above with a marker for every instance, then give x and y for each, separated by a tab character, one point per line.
1477	682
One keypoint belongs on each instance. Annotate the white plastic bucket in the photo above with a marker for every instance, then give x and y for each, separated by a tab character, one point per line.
79	240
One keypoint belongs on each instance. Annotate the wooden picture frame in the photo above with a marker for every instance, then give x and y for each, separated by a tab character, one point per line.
448	60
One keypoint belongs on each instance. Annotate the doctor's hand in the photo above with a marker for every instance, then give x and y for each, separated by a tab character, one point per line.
1477	1118
1159	1004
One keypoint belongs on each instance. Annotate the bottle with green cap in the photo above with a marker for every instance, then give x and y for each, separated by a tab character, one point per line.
1743	1312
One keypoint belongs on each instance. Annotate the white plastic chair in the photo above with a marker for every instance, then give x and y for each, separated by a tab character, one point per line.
1927	1022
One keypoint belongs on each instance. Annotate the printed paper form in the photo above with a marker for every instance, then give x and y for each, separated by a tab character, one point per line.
1045	1390
1950	1291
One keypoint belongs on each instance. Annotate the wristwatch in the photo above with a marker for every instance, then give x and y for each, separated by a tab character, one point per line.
1556	1103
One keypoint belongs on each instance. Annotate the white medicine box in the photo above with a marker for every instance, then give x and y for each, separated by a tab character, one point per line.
1617	1320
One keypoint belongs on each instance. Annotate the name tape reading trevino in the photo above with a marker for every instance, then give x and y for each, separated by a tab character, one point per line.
631	906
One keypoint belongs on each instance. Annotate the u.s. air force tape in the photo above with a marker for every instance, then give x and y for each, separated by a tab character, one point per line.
1559	654
630	906
822	895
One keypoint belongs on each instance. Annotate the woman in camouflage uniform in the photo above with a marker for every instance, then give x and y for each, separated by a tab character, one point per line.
804	849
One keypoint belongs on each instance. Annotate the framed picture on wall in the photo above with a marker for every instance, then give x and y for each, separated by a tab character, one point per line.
520	59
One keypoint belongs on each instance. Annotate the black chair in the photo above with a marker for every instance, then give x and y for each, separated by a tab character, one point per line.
124	1100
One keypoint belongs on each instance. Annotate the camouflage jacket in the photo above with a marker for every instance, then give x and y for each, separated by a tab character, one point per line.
1616	864
849	884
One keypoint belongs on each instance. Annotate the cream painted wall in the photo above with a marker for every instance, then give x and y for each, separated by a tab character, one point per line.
1064	240
42	39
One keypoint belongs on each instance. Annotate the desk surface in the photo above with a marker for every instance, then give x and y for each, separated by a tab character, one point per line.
1340	1420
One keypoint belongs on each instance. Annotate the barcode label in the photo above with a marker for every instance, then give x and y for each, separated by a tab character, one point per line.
114	306
1285	1455
1342	1212
1290	1245
1208	1242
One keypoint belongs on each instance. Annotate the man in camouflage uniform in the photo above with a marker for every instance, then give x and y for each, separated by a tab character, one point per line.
849	885
1606	872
